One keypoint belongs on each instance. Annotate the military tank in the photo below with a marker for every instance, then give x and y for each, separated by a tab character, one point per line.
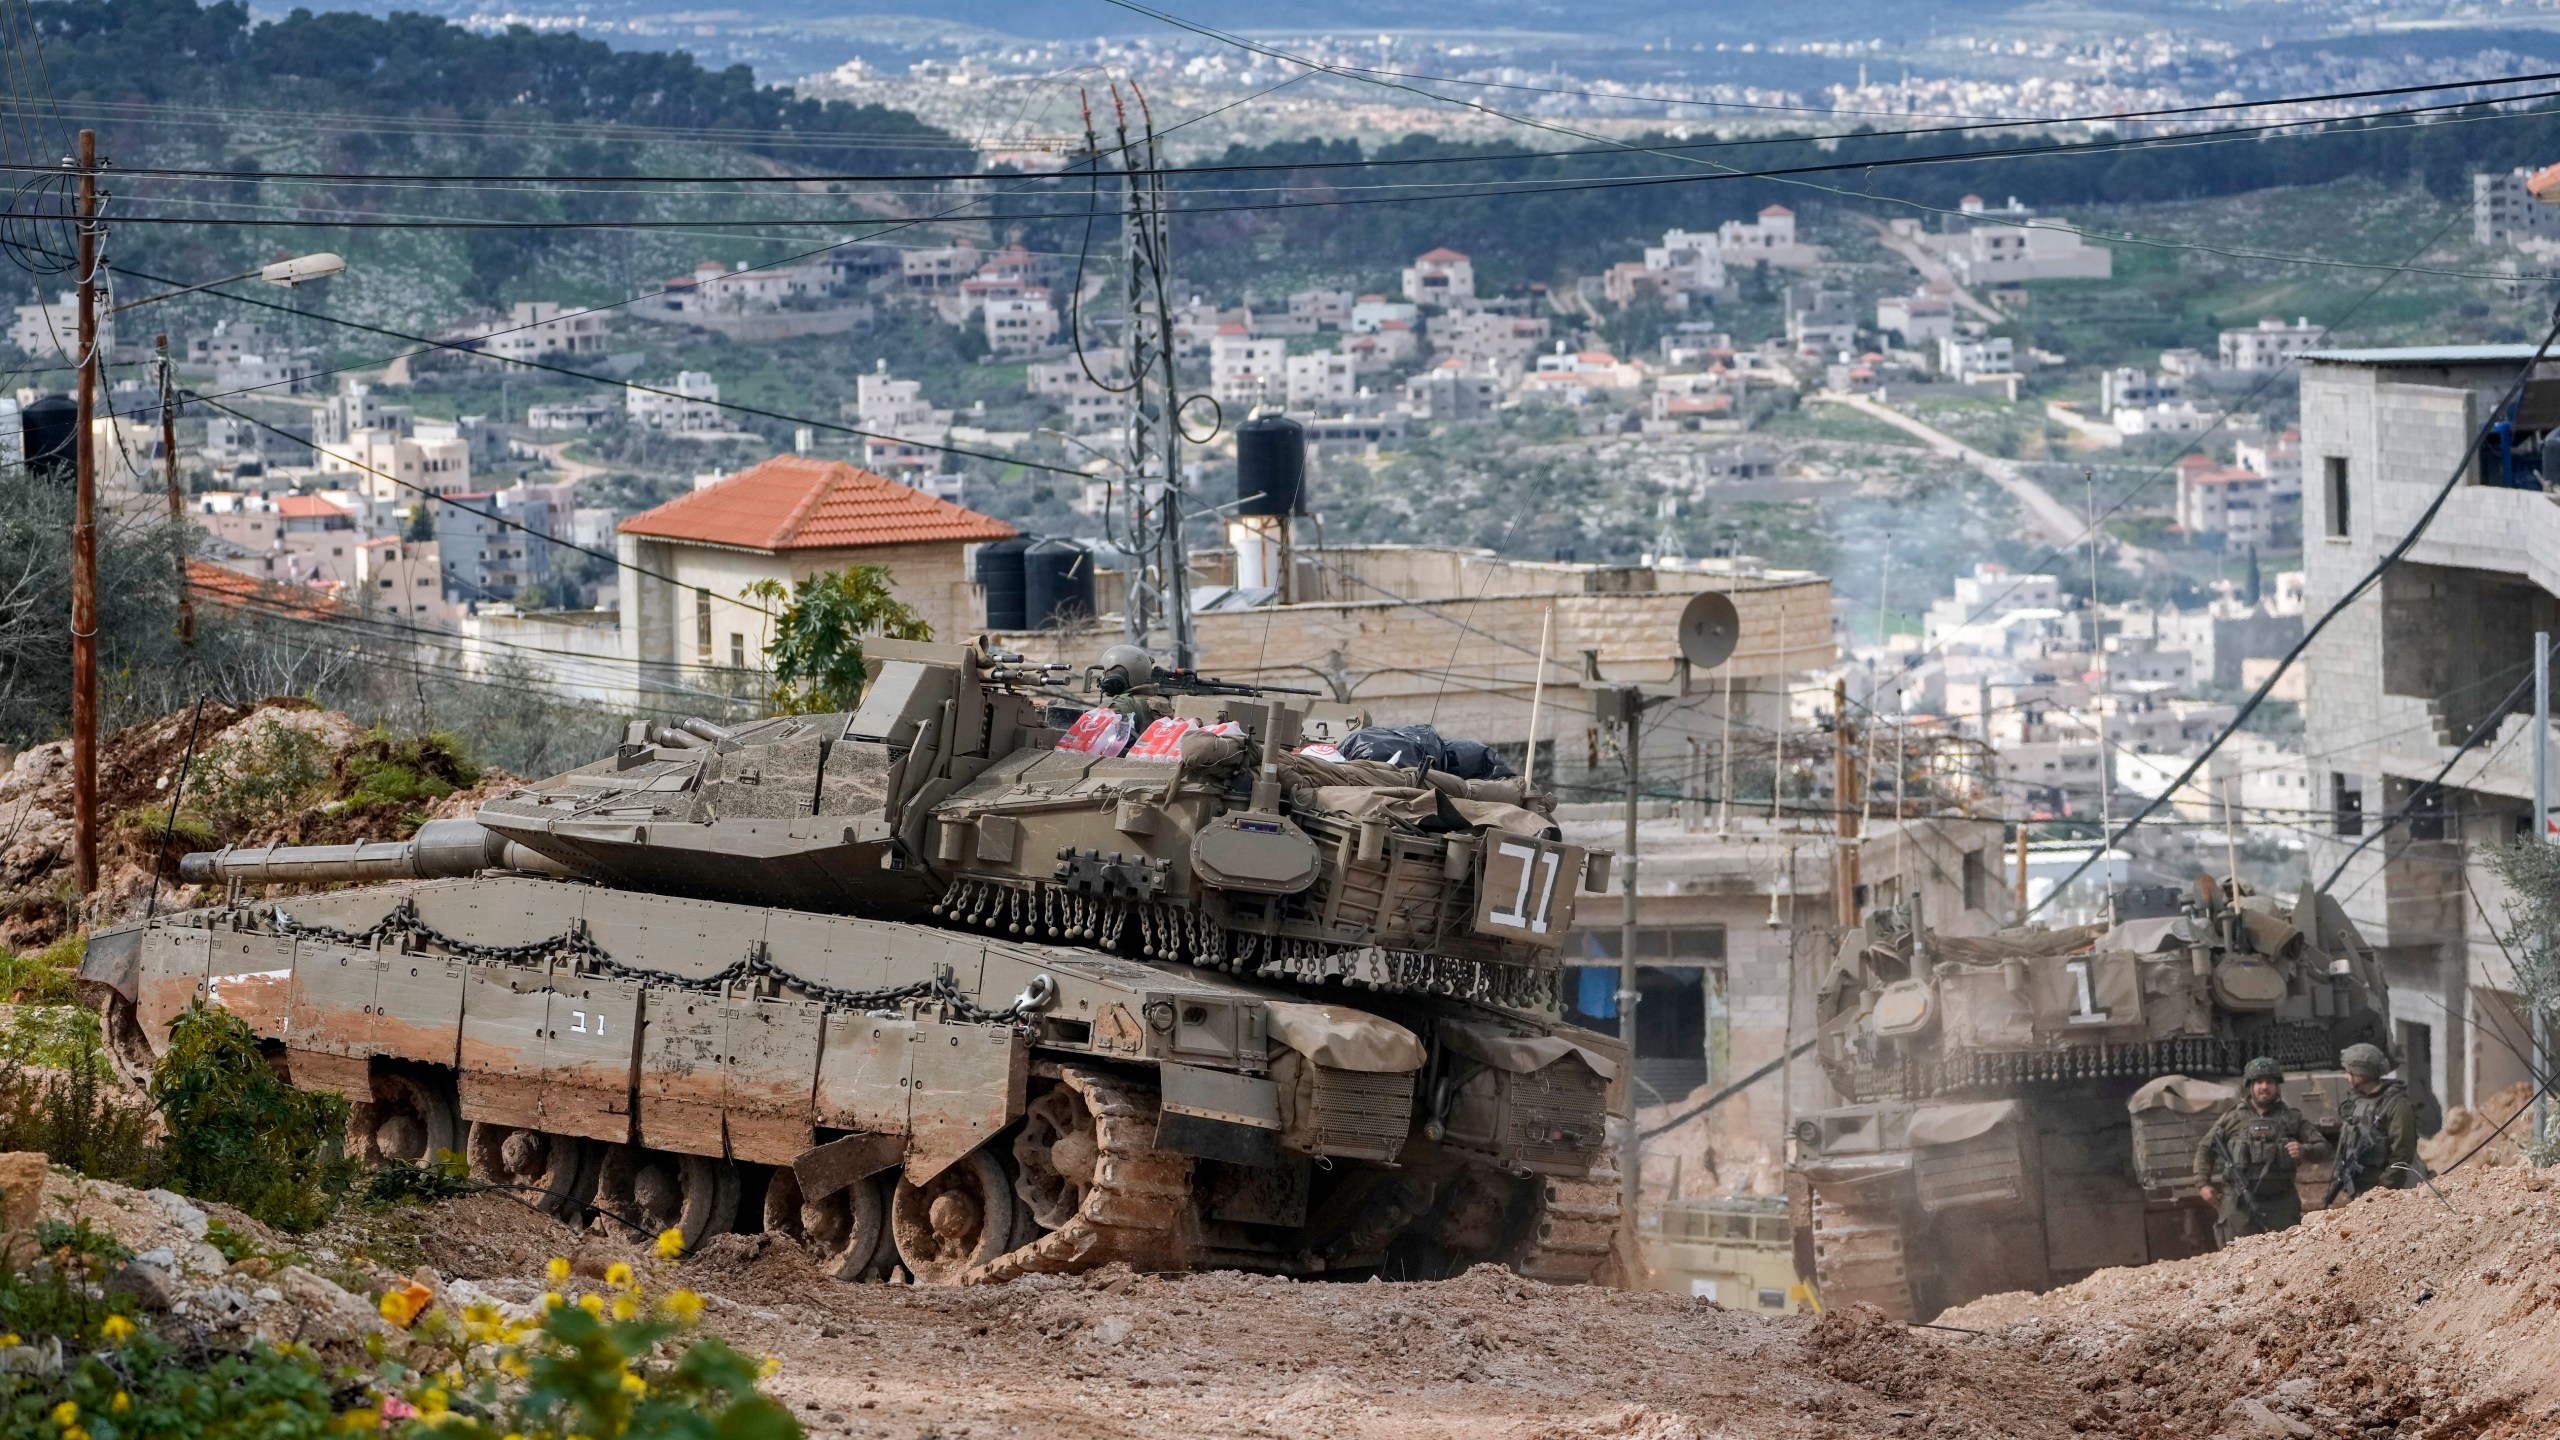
2021	1107
982	979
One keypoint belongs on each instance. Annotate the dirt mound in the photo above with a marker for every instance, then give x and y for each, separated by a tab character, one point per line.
281	771
2401	1314
2467	1129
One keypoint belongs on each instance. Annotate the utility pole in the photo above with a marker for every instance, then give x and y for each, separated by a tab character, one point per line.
1621	707
1159	597
84	542
2542	836
1844	784
169	476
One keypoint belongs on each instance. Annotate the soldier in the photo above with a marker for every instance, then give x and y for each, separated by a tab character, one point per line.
2377	1128
2249	1156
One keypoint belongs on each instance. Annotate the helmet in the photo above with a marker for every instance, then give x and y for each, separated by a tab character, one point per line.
1126	666
2365	1060
2262	1068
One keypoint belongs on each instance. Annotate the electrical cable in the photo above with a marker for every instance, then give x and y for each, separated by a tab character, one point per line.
426	178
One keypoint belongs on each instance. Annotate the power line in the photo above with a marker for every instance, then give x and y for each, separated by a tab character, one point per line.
1179	171
1719	173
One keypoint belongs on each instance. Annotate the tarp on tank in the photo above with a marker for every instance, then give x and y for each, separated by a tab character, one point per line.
2184	1094
1949	1124
1992	949
1343	1038
1520	1054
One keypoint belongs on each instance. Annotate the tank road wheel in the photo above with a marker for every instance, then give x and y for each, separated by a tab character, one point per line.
554	1173
1136	1207
1056	1150
843	1230
410	1119
1572	1235
655	1191
962	1219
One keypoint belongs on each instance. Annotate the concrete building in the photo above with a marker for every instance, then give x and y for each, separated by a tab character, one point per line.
2410	669
572	415
1450	391
491	546
1487	340
1320	381
1441	277
391	467
535	329
1922	318
1820	319
2269	344
399	576
1245	371
2011	245
2239	505
2128	388
2504	214
688	562
1693	259
1968	360
51	333
905	431
1769	236
1024	324
686	405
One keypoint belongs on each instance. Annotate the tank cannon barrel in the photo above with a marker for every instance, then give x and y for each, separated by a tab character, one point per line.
441	850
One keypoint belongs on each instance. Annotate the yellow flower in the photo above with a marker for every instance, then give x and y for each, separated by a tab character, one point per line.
625	1307
403	1306
618	1274
771	1367
592	1304
433	1403
685	1305
551	1300
74	1432
634	1383
67	1413
670	1244
558	1269
121	1403
10	1339
116	1330
361	1422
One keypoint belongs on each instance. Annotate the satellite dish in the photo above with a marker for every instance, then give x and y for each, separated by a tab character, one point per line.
1709	629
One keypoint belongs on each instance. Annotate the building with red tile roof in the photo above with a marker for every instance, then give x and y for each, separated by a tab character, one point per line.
688	562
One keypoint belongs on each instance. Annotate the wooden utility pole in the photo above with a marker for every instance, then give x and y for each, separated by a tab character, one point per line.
1844	796
84	543
177	497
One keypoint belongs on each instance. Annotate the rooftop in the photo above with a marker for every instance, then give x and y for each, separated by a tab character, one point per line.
800	502
2428	355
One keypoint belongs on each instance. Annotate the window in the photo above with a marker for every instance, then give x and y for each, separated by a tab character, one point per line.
737	651
702	626
2334	475
1672	979
2346	805
1975	880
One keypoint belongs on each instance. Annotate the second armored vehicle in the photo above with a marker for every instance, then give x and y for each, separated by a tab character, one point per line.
2021	1106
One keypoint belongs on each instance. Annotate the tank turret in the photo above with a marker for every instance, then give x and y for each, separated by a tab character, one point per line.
2009	1085
1112	961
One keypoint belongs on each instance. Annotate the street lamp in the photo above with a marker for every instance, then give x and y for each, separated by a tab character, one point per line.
286	273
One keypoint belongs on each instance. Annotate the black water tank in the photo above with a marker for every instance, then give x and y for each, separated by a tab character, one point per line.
1271	466
1000	575
51	428
1057	584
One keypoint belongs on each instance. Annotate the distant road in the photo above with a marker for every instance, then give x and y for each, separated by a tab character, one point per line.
1931	268
2060	523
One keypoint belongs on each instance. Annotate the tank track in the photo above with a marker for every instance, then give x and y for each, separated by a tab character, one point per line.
1137	1211
1575	1236
1858	1245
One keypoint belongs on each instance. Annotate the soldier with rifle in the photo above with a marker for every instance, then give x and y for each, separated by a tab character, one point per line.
2377	1129
2250	1155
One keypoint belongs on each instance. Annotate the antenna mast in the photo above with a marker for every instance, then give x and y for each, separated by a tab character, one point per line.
1159	599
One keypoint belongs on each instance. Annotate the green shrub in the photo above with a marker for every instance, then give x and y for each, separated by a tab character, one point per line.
410	772
48	976
72	1109
262	775
240	1133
